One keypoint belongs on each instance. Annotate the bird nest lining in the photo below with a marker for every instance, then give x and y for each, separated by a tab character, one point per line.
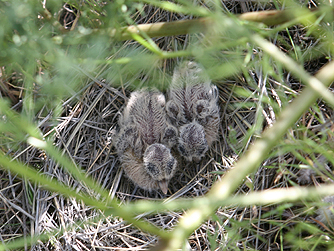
83	132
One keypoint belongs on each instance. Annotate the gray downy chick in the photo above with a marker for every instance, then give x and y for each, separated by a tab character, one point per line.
193	108
144	139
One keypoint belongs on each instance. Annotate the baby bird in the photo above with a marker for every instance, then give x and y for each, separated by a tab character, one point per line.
144	139
193	108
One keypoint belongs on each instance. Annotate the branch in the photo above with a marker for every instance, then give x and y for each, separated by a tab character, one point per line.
268	17
161	29
264	197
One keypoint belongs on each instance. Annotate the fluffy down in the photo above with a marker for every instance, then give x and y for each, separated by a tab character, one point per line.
193	108
143	141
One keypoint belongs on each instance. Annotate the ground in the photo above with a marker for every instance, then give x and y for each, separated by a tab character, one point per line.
249	102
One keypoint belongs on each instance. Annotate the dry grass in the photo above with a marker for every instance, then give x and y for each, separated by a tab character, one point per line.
83	132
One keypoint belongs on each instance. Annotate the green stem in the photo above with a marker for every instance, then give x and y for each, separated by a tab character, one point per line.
110	207
295	68
264	197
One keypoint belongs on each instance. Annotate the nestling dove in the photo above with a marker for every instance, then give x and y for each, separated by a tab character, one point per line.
193	108
144	139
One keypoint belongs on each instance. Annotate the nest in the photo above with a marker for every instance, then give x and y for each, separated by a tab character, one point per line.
83	132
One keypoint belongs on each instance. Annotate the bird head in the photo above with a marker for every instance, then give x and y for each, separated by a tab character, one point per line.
160	164
192	142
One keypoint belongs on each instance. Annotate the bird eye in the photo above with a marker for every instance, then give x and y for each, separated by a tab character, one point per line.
201	107
170	165
172	109
170	134
152	169
182	150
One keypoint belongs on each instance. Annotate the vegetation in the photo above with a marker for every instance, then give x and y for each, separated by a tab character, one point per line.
67	70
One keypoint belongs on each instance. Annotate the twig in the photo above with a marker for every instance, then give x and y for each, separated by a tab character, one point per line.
160	29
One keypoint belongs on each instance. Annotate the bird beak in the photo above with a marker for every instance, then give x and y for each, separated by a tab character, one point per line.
163	184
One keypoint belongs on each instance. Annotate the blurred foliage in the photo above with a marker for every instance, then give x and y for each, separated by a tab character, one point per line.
49	48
